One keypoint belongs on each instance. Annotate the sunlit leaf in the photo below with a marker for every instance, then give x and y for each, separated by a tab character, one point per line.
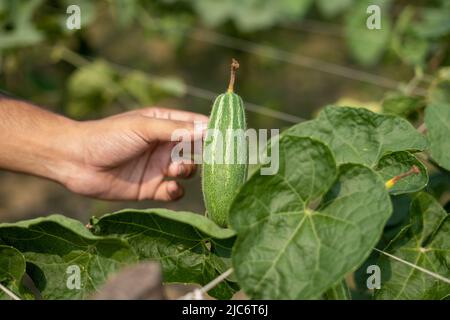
356	135
190	247
53	244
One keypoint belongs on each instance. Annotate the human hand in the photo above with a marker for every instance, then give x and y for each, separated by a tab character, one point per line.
128	156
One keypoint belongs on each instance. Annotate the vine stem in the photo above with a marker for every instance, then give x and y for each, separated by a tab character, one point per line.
435	275
234	67
198	293
9	292
412	84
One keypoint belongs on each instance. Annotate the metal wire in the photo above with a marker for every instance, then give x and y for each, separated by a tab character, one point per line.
190	90
412	265
9	293
282	55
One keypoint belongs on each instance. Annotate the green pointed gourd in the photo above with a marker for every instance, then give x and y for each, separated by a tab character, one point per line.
224	167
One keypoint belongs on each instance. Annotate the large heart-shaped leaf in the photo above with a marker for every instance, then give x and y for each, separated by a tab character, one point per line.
12	269
190	247
338	292
56	247
295	240
425	243
357	135
437	120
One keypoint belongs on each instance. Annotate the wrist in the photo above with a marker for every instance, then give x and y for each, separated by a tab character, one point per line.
64	161
38	142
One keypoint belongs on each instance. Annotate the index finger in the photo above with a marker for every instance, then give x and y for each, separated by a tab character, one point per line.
165	130
172	114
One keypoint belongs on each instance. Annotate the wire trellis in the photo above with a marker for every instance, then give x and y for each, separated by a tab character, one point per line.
275	53
201	93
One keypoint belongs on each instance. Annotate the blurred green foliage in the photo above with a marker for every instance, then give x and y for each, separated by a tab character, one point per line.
251	15
439	91
91	87
366	45
17	27
75	71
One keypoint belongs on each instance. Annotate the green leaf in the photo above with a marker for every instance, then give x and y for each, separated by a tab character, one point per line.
147	89
425	243
19	15
400	214
367	45
437	118
437	121
434	23
50	245
396	163
214	13
91	88
409	46
12	269
190	247
295	239
417	31
125	11
439	92
251	15
338	292
332	8
397	221
439	184
401	105
357	135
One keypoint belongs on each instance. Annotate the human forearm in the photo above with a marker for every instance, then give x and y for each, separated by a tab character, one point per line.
35	141
126	156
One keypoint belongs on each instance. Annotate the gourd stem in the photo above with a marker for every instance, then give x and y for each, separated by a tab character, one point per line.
234	67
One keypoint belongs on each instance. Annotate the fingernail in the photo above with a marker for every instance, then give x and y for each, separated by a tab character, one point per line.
173	188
